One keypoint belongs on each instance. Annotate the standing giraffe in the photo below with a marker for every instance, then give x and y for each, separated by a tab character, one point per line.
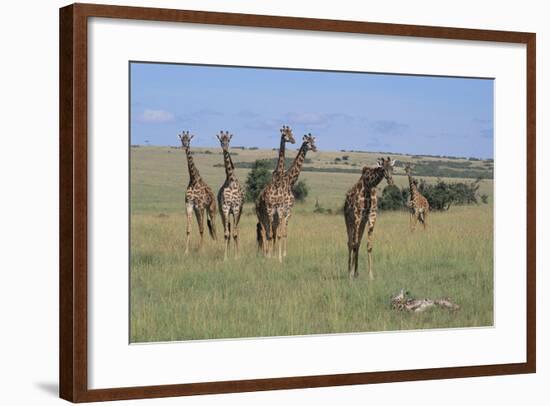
198	197
230	197
418	204
360	208
286	136
270	201
292	175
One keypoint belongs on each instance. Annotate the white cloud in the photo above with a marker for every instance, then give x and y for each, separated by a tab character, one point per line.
156	116
315	119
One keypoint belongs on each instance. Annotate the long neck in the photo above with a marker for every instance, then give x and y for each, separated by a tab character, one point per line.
294	171
229	168
373	177
412	186
280	169
193	171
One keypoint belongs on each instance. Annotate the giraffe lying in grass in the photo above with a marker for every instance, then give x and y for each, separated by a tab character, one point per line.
360	209
403	302
418	204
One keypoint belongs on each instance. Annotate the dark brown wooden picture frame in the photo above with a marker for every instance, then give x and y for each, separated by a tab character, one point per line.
74	200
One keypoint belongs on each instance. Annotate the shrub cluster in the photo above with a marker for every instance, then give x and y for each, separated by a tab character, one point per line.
260	175
440	195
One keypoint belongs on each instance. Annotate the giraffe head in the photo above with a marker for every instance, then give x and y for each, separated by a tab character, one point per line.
185	139
387	165
287	135
408	168
309	142
224	138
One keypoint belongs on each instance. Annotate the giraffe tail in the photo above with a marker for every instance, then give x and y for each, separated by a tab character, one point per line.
211	226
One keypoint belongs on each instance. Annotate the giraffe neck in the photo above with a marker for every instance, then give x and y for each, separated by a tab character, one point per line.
373	177
280	169
193	171
294	171
229	167
412	186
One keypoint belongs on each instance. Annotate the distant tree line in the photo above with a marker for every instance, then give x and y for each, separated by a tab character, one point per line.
440	169
451	169
270	164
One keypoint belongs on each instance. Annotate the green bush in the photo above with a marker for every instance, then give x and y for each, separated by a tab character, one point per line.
257	178
393	198
440	195
260	175
300	191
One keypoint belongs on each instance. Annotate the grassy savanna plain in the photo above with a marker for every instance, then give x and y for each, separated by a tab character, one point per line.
199	296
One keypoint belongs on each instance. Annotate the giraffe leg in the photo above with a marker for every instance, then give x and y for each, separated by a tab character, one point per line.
189	210
226	230
260	237
358	238
355	262
355	241
271	234
370	224
236	219
350	231
414	220
199	213
369	252
280	230
280	233
353	251
211	220
350	259
424	219
285	235
268	239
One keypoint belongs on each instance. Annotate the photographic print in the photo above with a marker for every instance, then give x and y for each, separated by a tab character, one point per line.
282	202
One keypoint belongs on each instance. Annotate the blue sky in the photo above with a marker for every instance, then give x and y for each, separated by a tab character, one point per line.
351	111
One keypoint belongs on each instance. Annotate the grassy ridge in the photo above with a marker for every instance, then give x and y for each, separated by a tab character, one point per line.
174	297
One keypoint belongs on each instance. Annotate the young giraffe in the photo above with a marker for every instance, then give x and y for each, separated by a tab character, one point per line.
292	175
360	208
418	204
230	197
198	197
270	201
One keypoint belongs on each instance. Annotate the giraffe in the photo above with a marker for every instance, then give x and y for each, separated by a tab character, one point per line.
308	144
198	197
360	209
418	204
270	200
230	197
286	136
